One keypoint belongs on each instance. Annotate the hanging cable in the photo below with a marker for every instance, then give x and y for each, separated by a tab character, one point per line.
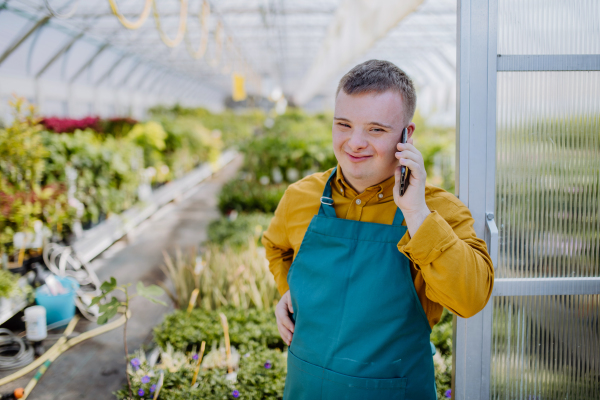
218	45
182	23
228	65
21	353
203	17
58	15
124	21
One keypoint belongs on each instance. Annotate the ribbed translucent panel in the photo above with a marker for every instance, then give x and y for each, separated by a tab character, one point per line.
548	27
548	173
546	347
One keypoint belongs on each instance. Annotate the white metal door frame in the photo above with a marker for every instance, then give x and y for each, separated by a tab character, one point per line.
477	66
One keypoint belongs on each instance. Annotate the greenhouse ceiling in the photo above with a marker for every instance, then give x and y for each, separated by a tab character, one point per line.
187	50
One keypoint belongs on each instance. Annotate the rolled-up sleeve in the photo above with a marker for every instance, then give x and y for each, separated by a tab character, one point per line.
279	251
454	262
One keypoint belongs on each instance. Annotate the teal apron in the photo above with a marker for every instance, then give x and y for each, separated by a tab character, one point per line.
360	330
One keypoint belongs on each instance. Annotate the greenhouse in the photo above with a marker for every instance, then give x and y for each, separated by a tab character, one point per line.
269	199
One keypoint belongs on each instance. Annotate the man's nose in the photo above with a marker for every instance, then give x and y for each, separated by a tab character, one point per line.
357	140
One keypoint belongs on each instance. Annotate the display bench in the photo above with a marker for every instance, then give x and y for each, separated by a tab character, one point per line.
94	241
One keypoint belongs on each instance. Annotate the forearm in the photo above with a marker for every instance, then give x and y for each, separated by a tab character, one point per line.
457	269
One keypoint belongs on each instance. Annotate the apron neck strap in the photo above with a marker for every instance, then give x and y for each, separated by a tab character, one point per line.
327	209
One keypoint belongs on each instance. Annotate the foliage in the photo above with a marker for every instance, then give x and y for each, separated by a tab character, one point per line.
235	127
107	173
250	196
118	127
151	136
187	144
236	232
260	375
70	125
8	283
248	329
437	145
441	337
109	309
24	198
297	145
223	277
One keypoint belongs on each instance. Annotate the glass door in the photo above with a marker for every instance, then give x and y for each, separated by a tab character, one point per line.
529	134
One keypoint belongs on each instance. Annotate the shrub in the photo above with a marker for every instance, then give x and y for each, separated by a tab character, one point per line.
238	232
441	337
249	196
226	277
261	376
24	197
106	173
248	329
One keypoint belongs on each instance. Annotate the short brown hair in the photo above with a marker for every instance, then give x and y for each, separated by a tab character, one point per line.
379	76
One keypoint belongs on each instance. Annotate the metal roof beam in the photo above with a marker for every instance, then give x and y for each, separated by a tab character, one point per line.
15	44
111	69
59	53
88	63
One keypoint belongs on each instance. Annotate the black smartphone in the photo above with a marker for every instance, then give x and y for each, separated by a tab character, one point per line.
404	171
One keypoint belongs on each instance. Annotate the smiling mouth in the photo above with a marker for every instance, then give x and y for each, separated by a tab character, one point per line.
357	159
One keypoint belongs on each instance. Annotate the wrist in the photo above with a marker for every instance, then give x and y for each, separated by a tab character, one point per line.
414	219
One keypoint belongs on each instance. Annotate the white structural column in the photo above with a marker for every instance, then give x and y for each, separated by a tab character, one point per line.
475	179
357	25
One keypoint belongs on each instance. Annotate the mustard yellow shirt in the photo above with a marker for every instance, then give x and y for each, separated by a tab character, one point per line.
450	265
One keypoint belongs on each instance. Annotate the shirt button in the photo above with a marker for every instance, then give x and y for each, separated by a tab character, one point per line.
380	195
358	201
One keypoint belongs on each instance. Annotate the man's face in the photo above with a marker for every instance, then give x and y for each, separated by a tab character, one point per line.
366	129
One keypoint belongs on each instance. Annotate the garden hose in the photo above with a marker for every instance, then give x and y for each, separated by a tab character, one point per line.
63	345
182	24
203	16
218	45
11	343
126	23
61	16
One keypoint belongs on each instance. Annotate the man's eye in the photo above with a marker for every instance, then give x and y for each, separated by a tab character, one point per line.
344	125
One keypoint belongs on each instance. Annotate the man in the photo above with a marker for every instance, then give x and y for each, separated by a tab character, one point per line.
370	275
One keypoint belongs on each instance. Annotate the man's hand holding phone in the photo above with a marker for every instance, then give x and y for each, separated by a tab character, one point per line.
412	203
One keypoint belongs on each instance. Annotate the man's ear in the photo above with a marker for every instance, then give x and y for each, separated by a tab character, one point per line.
411	129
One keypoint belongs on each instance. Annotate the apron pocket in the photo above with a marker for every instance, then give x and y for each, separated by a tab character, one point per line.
310	382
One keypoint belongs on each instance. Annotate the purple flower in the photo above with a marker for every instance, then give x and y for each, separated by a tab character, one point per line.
141	392
145	379
235	393
195	356
136	363
152	388
448	393
268	364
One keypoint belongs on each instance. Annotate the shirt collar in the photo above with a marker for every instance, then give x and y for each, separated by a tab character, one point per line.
386	187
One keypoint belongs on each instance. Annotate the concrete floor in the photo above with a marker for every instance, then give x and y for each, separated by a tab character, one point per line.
95	368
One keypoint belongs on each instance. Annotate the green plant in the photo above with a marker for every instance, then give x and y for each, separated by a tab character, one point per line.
260	375
188	143
110	308
441	337
107	171
248	329
235	127
150	136
223	277
437	145
238	231
250	196
24	197
8	283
